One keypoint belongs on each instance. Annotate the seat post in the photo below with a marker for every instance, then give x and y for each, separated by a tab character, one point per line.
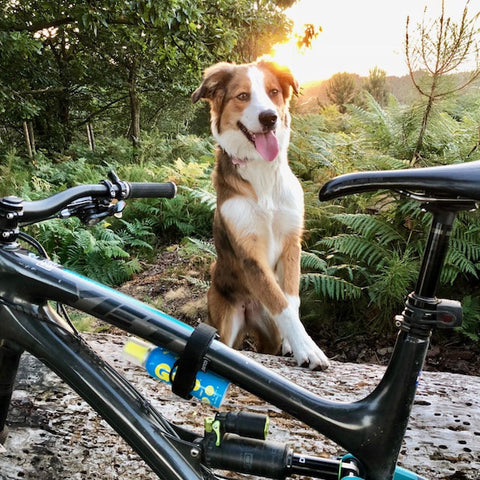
435	251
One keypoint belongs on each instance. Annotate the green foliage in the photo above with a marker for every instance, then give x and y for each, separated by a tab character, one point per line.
14	172
126	67
385	263
463	258
363	252
376	85
341	89
324	280
471	317
204	246
111	252
98	252
442	46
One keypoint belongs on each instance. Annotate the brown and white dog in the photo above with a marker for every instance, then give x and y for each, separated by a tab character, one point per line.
259	217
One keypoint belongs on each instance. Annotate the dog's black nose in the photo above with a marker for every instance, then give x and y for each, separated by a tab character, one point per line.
268	118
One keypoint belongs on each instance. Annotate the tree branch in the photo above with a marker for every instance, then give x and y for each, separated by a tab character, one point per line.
37	26
101	110
41	91
58	22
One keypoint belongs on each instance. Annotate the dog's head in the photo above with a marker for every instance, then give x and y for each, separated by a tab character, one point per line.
249	107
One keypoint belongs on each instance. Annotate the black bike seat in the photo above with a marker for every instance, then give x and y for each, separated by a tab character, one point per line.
457	181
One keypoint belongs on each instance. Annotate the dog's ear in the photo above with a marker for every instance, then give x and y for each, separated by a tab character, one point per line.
214	81
284	75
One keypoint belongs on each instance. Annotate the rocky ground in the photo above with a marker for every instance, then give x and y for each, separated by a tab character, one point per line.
54	435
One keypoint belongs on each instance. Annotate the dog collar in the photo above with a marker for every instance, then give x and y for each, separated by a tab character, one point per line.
240	162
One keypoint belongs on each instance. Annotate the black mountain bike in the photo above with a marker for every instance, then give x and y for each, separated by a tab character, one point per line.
371	429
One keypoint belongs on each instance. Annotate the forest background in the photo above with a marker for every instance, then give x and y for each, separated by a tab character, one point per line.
86	87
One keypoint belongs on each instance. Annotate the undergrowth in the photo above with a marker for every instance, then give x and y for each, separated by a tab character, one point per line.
361	253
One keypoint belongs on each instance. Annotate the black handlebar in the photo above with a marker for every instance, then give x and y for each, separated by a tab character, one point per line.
153	190
42	209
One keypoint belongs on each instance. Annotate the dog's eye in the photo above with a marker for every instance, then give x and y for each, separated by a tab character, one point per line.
274	92
243	97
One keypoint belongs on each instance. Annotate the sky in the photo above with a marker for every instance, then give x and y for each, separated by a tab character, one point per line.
358	35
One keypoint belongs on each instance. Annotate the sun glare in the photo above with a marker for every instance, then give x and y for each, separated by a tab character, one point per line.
355	37
298	60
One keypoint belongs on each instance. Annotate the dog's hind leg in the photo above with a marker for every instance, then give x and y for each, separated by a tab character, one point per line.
227	317
262	326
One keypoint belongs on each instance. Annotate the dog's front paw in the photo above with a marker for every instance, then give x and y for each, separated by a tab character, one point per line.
306	352
312	356
287	350
297	340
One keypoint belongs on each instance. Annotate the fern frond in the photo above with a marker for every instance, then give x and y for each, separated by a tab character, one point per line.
360	248
471	317
204	196
312	261
370	226
378	161
203	284
207	247
330	286
468	248
457	263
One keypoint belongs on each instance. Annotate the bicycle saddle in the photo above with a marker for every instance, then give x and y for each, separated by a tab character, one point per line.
457	181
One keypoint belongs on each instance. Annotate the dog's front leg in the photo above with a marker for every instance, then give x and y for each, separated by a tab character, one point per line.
295	337
282	305
249	236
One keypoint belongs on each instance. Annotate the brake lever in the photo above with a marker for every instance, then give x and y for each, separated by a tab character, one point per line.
114	209
90	212
75	207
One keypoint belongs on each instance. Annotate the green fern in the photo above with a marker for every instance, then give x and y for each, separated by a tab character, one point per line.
370	227
204	196
312	261
390	284
329	286
207	247
136	233
197	282
362	249
323	280
97	252
182	215
464	253
471	317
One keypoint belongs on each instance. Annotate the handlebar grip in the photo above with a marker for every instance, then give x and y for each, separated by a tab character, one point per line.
152	190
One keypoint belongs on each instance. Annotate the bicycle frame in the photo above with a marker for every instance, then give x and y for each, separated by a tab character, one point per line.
371	429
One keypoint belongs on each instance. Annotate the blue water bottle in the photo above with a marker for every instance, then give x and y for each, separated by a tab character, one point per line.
209	388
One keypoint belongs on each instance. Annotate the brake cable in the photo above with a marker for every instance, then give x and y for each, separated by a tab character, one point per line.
33	242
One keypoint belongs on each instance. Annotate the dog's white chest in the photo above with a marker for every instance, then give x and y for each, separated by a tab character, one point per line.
277	211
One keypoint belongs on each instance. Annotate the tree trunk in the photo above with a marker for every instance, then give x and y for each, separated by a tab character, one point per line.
134	129
32	137
423	129
426	116
91	137
27	140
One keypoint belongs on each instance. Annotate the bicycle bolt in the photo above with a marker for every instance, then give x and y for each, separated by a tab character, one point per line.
10	216
194	452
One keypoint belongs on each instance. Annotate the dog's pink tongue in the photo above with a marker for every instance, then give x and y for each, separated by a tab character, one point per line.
266	145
